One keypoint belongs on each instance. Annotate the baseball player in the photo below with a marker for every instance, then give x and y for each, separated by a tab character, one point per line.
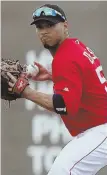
80	94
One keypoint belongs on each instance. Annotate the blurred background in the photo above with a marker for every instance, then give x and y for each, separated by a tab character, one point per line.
31	136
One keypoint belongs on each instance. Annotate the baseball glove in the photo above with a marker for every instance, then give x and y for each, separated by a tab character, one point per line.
16	69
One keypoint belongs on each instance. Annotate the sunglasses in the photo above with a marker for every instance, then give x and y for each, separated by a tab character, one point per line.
46	11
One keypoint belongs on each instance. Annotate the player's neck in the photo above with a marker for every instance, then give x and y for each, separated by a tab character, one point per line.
54	49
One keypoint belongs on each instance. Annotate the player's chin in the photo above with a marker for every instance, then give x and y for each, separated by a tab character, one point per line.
48	45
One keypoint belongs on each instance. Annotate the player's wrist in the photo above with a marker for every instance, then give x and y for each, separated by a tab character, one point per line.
26	92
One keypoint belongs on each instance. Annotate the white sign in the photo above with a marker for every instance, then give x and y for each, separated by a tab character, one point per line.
49	126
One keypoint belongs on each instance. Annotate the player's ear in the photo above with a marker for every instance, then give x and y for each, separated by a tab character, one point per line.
66	27
66	24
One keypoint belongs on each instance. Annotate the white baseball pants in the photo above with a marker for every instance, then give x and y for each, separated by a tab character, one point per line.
86	154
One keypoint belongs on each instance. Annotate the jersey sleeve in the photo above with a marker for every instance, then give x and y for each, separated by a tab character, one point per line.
68	83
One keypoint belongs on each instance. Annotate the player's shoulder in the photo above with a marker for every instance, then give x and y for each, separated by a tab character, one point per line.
77	44
77	55
72	50
77	48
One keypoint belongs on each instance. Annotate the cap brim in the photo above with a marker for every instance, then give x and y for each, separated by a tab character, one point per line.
52	20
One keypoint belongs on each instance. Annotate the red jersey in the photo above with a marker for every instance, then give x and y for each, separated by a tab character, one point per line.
78	76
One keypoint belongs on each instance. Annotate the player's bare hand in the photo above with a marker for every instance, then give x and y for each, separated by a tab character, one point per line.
42	75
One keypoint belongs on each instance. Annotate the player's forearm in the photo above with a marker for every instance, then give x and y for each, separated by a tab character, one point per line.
44	100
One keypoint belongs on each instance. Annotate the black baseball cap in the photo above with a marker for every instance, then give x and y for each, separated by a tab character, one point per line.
60	15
